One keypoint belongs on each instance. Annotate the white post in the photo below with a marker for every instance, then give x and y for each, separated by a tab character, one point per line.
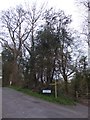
10	83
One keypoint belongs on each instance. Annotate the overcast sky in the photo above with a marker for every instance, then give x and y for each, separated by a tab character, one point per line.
68	6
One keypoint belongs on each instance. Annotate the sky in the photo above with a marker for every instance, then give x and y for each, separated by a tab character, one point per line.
68	6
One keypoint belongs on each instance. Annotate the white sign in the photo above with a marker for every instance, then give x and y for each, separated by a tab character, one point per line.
46	91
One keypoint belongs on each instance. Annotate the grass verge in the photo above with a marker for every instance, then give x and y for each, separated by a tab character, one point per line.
50	98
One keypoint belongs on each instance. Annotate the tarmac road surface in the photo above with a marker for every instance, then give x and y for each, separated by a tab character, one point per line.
18	105
0	103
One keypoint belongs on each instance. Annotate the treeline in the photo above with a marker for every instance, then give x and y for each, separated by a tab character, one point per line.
38	48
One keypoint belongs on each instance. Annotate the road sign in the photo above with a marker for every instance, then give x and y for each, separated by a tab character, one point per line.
46	91
55	84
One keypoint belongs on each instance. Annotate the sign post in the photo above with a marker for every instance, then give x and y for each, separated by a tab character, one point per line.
55	87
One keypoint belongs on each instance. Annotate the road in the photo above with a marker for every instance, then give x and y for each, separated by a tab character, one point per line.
0	103
18	105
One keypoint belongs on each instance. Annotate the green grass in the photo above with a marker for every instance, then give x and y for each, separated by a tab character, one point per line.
50	98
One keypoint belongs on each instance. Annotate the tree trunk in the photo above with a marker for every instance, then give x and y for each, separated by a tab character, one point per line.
33	80
15	73
66	84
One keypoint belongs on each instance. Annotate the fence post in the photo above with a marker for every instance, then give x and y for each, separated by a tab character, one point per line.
77	94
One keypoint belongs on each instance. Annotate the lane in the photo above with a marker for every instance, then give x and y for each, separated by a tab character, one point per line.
0	103
18	105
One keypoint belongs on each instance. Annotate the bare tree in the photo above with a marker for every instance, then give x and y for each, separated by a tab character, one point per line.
86	24
33	18
87	5
15	31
